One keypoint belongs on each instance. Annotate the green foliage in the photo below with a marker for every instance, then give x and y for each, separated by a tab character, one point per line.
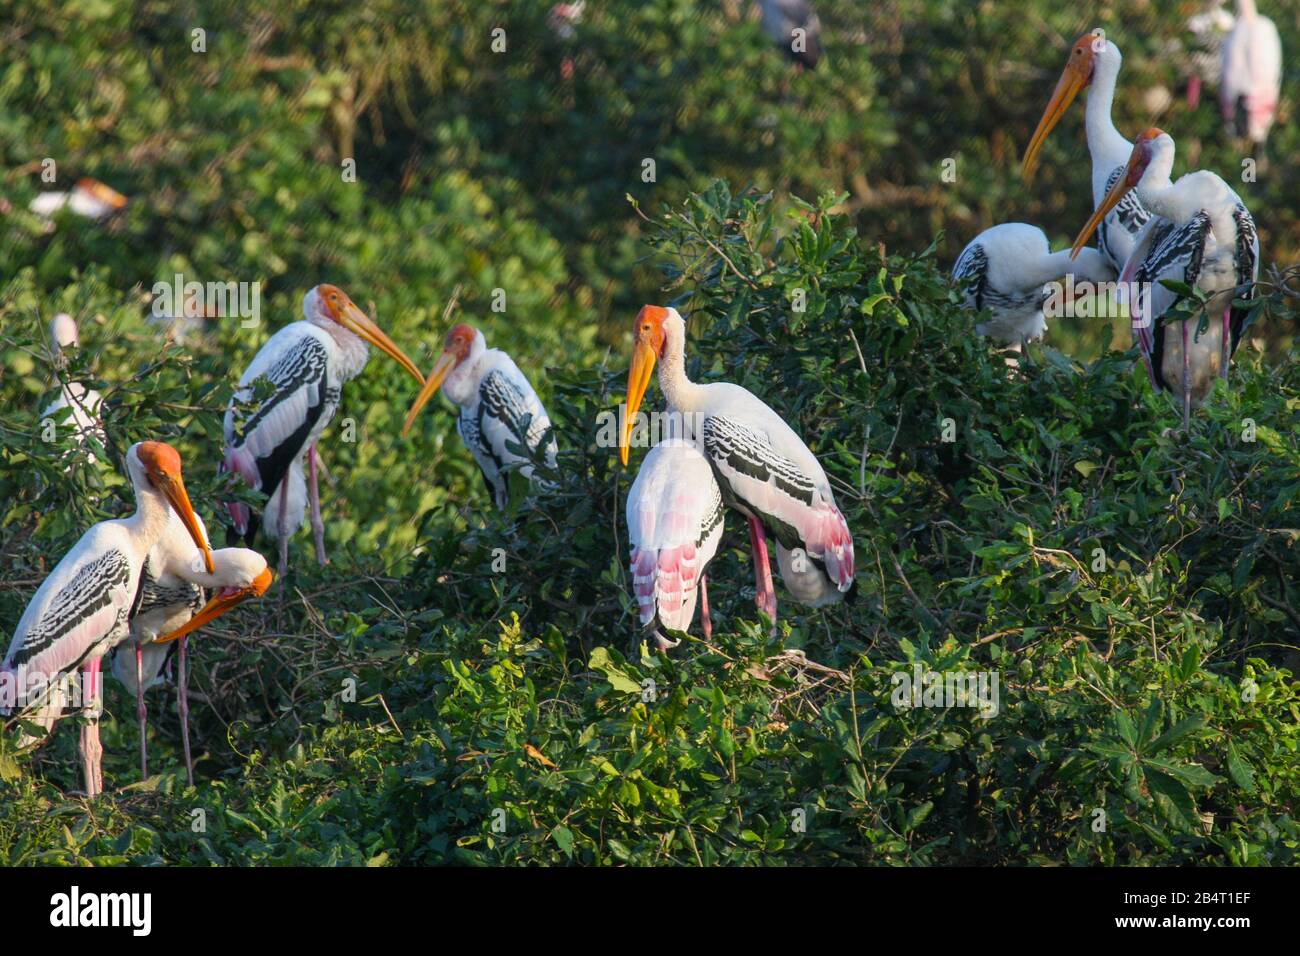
1133	592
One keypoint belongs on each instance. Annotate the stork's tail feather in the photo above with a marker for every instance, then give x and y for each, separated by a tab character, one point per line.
829	540
665	583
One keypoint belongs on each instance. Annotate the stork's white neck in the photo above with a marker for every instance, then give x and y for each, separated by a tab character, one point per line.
152	513
353	350
1246	10
1106	145
680	393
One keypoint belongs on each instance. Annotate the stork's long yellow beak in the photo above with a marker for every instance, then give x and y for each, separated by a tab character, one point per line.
224	601
638	380
173	489
446	362
353	319
1073	79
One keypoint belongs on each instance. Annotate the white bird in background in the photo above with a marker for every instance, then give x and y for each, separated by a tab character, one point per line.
171	597
764	469
498	408
1209	29
269	439
794	26
675	519
1203	237
1007	270
82	610
1252	75
89	198
1094	63
82	403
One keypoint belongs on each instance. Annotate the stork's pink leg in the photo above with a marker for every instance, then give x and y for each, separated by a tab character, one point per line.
92	751
764	593
183	706
282	529
1227	343
141	712
706	625
1187	380
317	525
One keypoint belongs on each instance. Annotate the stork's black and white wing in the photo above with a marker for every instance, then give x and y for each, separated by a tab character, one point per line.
286	396
508	413
1163	252
971	273
765	470
82	608
1247	268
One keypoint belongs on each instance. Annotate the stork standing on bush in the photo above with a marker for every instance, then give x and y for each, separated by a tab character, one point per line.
83	608
1203	237
1252	75
762	467
270	439
498	408
170	605
82	402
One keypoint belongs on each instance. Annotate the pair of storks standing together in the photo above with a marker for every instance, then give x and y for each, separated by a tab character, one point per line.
1195	231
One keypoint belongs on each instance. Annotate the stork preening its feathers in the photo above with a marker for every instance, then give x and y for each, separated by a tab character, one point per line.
498	408
1203	237
83	608
171	603
270	440
1006	270
764	470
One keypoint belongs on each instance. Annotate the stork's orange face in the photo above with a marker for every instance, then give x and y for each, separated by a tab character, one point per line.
459	343
163	466
337	306
104	193
1078	73
648	341
1138	161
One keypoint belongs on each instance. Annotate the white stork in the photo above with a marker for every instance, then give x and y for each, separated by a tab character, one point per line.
1203	236
83	608
498	408
1095	62
1252	75
1007	268
88	198
268	440
83	403
674	520
171	598
764	469
795	27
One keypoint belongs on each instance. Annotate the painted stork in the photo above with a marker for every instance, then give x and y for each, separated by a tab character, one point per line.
794	26
1252	75
674	520
1209	29
1095	62
170	605
763	468
83	403
302	368
1203	236
1007	270
83	608
89	198
498	408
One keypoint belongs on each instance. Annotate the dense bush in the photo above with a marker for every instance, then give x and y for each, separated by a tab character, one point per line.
503	715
